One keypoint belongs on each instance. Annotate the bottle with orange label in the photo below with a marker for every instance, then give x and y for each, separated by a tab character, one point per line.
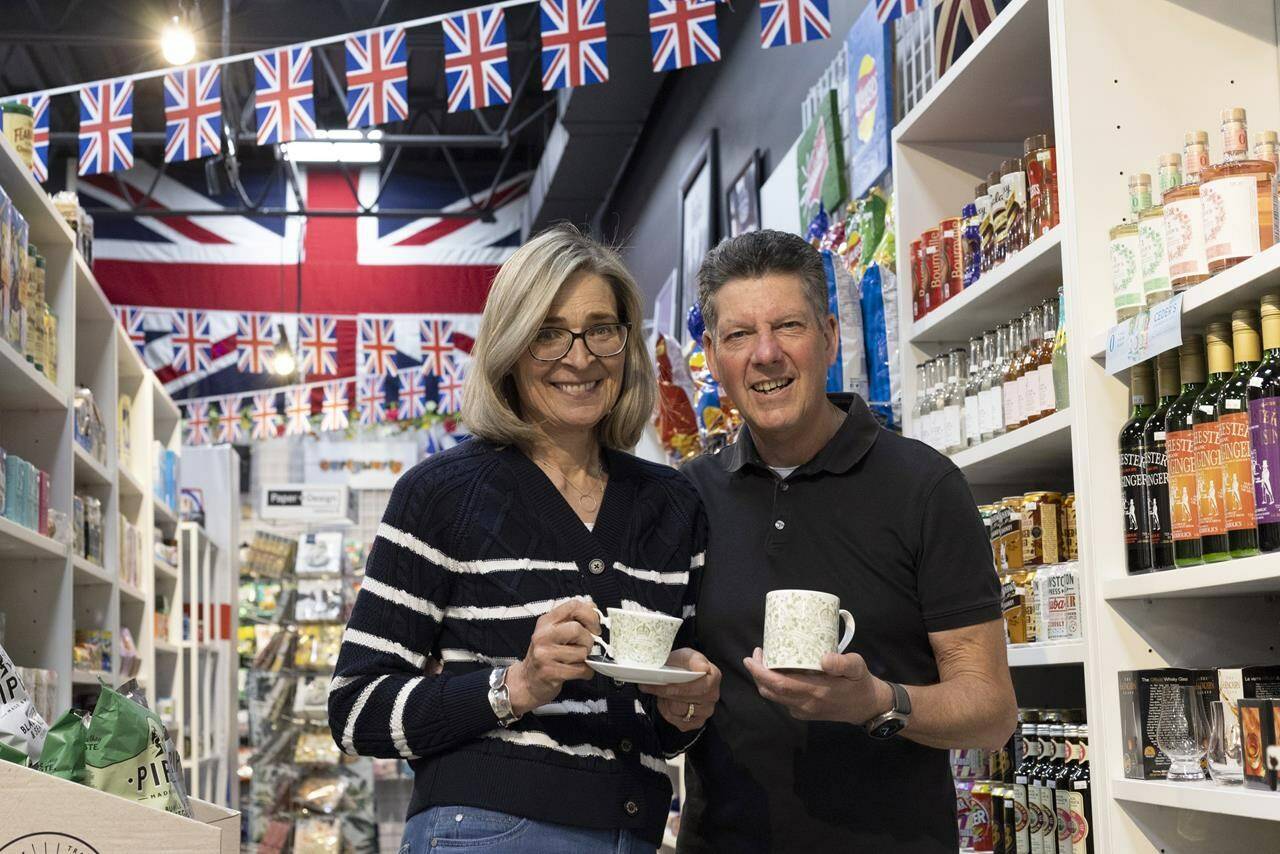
1233	432
1180	455
1213	520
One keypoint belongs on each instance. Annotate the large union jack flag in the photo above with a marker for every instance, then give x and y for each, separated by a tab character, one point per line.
106	127
377	78
256	343
683	33
475	60
887	10
39	105
574	49
193	112
318	345
377	346
784	22
285	95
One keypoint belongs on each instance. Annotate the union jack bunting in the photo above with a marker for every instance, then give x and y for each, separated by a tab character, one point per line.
318	345
266	420
784	22
297	411
573	43
255	343
285	95
197	418
39	105
192	341
106	127
371	399
413	394
377	78
230	427
683	33
334	407
377	346
193	113
888	10
475	60
450	390
957	25
438	345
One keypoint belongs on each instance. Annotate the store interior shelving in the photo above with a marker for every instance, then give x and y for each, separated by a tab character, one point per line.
1071	66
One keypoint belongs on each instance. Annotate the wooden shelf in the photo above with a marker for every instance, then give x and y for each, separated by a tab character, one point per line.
22	387
86	572
1030	454
1242	577
1029	277
88	469
1042	654
1204	797
19	542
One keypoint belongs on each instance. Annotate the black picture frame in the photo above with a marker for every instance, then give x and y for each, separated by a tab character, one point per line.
742	199
699	222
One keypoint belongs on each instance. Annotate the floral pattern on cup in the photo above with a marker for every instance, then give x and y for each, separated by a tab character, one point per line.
639	638
800	626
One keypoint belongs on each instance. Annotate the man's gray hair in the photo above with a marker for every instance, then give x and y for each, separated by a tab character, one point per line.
757	254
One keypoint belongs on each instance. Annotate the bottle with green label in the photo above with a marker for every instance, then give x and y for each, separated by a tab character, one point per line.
1233	437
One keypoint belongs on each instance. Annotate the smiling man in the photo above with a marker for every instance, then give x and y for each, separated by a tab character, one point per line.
815	495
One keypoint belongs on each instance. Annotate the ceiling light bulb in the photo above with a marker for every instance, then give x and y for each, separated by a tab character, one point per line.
283	363
177	43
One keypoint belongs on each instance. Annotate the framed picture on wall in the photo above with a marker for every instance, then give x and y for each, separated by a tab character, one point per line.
742	199
699	228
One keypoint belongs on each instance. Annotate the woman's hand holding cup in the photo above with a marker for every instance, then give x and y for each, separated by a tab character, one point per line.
558	650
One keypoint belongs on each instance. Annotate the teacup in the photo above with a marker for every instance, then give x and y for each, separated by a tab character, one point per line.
800	626
638	638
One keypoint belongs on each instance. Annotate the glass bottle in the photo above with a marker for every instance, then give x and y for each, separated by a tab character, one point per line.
997	377
1233	433
1044	361
1139	194
1081	799
953	403
1267	147
1168	173
1033	332
1213	523
1156	287
989	394
1047	822
1133	472
999	192
928	434
917	411
1012	389
1180	450
1061	786
986	201
1184	217
940	401
1030	757
1013	176
1238	199
1126	270
1264	427
1061	389
972	244
972	388
1156	461
1040	162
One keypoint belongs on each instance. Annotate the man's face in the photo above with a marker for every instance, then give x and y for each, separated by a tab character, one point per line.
770	353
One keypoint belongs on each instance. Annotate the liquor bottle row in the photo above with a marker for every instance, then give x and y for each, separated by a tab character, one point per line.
1011	376
1208	217
1033	794
1198	464
1013	207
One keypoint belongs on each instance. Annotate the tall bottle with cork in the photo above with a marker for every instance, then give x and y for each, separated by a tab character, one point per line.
1233	434
1012	388
1238	197
992	418
1213	522
1157	462
1044	359
1184	217
1133	472
972	387
1264	428
1032	406
1180	449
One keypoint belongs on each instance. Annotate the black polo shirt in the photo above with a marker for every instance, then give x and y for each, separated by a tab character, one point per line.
889	526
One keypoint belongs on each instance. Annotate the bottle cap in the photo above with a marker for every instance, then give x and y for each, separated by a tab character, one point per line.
1218	330
1170	160
1270	304
1234	114
993	178
1139	179
1010	166
1169	378
980	190
1265	137
1244	316
1196	137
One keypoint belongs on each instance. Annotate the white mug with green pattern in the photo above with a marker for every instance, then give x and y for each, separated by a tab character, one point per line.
800	626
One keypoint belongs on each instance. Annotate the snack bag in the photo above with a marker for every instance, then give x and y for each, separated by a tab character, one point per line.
718	419
673	415
63	754
849	371
22	730
125	753
133	691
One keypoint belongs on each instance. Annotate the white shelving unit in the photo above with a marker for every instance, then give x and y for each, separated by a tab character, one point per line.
1119	83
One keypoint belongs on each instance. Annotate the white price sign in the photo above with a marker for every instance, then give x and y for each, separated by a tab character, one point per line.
1145	336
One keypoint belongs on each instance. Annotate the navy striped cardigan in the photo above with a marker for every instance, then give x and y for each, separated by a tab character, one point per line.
476	544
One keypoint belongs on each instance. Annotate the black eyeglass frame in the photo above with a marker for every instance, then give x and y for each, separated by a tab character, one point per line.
574	336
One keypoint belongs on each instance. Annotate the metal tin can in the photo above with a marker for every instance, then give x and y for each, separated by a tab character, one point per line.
1070	542
931	241
952	256
1040	528
1006	534
18	120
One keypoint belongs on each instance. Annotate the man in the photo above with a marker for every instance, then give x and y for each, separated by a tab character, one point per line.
816	495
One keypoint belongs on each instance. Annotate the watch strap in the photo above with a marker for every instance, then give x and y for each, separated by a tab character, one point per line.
901	699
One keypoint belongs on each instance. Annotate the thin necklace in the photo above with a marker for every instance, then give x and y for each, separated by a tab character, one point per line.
589	502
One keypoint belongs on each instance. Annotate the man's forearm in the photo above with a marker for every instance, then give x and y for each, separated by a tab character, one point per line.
970	710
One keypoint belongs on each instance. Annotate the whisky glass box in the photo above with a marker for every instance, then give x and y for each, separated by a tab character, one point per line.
1143	693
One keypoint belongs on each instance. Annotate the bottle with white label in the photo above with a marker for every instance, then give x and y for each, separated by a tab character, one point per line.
1044	362
1014	415
989	392
972	386
917	411
1033	332
927	434
953	404
1238	199
1184	218
1126	270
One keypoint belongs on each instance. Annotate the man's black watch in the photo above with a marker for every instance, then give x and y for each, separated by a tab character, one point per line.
890	723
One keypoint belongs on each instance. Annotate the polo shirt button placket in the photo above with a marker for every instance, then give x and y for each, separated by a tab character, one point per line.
596	567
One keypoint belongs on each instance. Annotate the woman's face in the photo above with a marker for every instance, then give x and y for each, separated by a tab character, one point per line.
577	391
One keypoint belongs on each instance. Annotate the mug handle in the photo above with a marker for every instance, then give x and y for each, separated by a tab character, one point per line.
847	619
604	621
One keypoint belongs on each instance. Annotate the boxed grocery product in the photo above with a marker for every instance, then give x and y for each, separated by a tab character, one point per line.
1143	694
1257	733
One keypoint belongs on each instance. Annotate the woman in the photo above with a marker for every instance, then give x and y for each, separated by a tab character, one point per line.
489	560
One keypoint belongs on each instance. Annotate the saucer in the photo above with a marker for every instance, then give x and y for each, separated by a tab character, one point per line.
642	675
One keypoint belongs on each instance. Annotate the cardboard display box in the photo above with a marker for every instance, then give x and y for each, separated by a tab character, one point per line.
39	812
1143	694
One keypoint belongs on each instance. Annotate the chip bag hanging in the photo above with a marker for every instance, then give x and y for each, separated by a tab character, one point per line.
673	413
22	730
125	753
718	419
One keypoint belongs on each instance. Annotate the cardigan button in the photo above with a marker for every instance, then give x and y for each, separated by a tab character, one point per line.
625	745
631	807
596	566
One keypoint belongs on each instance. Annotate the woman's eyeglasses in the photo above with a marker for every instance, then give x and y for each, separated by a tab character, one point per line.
602	340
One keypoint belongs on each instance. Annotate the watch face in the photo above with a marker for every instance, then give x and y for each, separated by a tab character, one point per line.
888	729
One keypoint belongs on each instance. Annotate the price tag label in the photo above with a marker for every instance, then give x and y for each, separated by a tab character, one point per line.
1145	336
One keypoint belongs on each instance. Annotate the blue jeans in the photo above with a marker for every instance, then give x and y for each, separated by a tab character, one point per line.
479	830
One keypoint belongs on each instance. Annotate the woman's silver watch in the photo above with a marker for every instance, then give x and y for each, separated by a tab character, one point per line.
500	697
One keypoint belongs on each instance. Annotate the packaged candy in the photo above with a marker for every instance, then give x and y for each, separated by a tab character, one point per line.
125	753
22	730
63	754
718	419
818	227
849	371
673	416
315	835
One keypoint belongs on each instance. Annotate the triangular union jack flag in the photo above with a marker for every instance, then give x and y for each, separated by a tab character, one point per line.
193	112
297	411
476	72
784	22
888	10
266	420
285	99
106	127
334	407
683	33
377	78
573	43
197	418
377	346
256	343
450	390
39	105
371	400
230	428
318	345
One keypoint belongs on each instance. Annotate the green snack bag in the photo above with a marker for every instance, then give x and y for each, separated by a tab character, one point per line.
125	753
63	754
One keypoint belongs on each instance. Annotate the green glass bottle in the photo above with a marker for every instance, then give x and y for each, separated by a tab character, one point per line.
1264	427
1180	450
1213	522
1233	434
1133	472
1157	462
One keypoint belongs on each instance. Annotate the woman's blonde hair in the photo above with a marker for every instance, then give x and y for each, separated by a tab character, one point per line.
518	303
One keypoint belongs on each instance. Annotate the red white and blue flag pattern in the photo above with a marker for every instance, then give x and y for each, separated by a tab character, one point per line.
193	113
476	70
318	345
683	33
888	10
574	51
284	95
106	127
786	22
39	105
377	77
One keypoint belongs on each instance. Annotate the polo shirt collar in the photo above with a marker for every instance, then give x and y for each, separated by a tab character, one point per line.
849	445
